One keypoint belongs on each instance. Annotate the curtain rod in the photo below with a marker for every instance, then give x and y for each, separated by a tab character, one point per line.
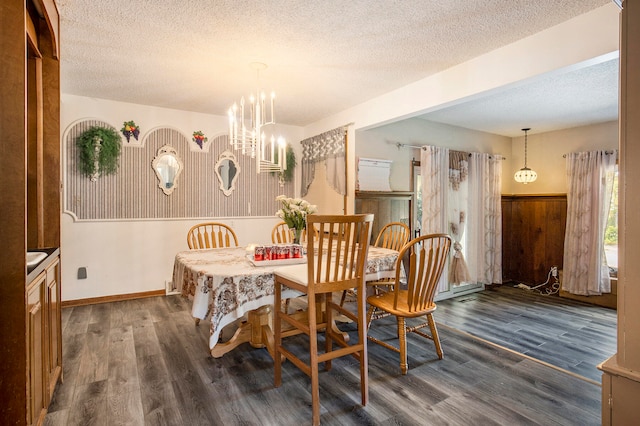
404	145
606	152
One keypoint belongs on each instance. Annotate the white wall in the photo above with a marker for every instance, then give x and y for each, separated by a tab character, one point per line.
380	143
124	257
545	150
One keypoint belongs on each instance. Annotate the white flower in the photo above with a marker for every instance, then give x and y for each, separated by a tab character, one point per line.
294	211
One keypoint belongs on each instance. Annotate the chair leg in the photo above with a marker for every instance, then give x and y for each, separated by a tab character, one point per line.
343	298
328	339
434	335
402	335
370	316
313	359
277	336
362	339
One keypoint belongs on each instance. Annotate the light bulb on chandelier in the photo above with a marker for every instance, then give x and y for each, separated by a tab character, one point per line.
270	154
525	175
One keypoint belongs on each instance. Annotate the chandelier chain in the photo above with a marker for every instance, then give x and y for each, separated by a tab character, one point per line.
525	148
525	175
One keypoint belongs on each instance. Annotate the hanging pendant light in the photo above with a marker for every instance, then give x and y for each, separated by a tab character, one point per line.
525	174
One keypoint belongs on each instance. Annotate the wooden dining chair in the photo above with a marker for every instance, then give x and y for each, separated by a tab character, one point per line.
427	256
211	235
334	263
392	236
281	234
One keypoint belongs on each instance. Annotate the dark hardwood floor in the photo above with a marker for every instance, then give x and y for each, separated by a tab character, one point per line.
567	334
144	362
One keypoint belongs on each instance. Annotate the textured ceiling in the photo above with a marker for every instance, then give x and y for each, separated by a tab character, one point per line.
576	98
323	56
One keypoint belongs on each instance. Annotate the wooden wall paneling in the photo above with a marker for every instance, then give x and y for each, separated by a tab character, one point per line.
556	222
539	232
508	247
51	137
533	236
33	146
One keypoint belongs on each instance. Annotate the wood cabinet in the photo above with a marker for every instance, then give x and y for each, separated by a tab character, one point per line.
36	377
395	206
53	327
533	230
44	337
30	208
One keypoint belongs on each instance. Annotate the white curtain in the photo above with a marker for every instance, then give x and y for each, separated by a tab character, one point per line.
458	206
484	225
434	171
590	184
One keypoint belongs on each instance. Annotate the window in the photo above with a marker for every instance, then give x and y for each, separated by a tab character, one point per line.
611	231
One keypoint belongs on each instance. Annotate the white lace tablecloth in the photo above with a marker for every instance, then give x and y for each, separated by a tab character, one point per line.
224	285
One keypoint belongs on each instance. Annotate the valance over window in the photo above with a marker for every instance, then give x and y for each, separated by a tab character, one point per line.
329	147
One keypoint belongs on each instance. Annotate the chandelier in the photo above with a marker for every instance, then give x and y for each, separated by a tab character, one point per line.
247	125
525	174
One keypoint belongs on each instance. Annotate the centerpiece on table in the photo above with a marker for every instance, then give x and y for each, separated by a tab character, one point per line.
294	213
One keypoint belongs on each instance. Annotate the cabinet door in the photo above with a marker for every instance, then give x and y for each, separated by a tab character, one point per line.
386	207
36	377
53	335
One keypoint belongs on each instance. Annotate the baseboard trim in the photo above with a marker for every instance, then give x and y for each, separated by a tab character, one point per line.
114	298
491	286
608	300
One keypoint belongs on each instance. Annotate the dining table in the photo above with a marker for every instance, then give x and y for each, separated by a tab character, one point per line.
227	284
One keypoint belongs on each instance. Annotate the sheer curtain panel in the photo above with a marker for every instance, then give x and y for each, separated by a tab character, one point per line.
484	227
458	210
590	184
434	171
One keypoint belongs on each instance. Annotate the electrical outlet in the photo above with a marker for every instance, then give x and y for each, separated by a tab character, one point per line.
554	271
82	273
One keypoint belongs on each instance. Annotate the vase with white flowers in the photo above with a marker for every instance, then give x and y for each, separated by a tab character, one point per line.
294	213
